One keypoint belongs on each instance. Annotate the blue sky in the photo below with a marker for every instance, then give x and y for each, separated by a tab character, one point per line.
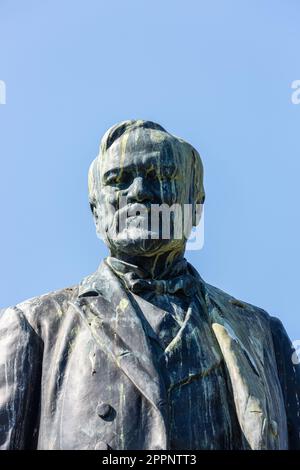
216	73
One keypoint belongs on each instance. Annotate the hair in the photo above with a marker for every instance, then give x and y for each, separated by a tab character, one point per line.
197	193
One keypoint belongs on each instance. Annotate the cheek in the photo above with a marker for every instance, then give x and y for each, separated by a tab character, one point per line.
107	207
172	192
108	197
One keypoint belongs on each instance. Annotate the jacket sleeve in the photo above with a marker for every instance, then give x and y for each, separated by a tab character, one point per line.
289	376
20	367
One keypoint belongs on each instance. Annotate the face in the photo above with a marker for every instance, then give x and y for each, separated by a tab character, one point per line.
138	174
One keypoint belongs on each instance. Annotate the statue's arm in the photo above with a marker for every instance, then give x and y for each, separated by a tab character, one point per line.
20	369
289	376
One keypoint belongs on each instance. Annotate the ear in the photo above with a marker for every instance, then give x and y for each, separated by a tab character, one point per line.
197	194
94	209
197	212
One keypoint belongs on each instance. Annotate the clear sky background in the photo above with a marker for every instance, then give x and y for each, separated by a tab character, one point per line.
217	73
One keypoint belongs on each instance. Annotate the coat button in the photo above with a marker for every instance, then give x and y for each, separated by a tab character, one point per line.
104	410
81	302
162	403
101	446
274	428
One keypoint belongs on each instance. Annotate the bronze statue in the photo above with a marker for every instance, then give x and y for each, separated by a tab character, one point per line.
144	354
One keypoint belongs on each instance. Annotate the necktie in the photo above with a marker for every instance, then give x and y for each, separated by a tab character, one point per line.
136	280
184	282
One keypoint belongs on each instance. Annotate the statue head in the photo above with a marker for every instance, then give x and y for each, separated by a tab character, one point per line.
141	177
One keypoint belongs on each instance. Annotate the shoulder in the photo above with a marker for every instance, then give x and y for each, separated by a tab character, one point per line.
229	300
283	344
230	303
40	310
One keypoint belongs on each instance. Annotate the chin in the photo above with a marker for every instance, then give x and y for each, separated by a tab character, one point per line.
139	242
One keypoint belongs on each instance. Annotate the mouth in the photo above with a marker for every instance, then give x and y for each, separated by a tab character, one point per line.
135	209
138	207
141	220
134	221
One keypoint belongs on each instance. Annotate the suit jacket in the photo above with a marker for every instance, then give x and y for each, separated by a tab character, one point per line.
77	372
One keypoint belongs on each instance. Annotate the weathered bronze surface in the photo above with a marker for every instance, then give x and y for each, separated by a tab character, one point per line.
144	354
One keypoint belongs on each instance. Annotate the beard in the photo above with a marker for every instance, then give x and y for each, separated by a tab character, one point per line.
134	234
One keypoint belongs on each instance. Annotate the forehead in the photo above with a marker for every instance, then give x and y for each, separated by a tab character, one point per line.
147	149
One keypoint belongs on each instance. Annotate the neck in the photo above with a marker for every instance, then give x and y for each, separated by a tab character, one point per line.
156	265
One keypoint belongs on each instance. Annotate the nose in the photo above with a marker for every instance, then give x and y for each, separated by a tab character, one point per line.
139	191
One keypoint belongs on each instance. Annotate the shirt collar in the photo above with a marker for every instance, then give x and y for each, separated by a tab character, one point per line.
100	281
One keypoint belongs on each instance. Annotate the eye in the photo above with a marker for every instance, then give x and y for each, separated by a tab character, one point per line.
151	174
119	179
125	177
168	173
112	180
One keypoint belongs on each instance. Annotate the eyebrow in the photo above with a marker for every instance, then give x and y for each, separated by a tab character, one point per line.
131	167
116	171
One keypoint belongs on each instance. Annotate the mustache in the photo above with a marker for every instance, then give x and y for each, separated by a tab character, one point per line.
135	209
132	211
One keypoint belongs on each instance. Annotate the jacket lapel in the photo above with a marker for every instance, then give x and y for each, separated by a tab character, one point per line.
192	353
106	309
246	370
119	331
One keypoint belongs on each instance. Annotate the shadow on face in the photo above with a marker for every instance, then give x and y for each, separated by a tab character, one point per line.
144	182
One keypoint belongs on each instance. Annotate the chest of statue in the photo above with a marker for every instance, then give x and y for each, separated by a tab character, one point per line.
97	393
200	401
